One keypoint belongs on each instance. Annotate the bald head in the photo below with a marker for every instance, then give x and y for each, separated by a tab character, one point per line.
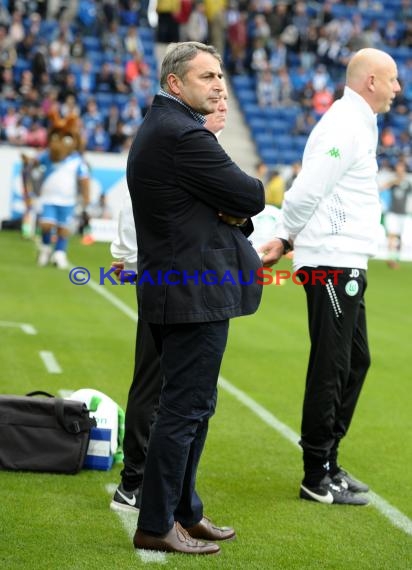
373	74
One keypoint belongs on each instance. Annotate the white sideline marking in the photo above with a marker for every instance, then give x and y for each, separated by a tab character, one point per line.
25	327
129	521
102	290
65	393
261	412
50	362
396	517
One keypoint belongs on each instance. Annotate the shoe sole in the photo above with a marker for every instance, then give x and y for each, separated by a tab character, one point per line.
119	507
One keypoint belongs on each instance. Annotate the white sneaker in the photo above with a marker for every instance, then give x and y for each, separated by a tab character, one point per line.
59	259
44	255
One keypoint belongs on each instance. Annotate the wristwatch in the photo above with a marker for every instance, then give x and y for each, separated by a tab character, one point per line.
287	247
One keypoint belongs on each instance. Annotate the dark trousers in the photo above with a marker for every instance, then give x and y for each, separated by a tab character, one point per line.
191	355
338	363
142	404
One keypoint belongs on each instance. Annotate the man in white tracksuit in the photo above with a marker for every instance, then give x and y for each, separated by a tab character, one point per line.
331	215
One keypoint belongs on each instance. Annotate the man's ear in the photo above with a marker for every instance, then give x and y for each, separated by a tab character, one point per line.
173	82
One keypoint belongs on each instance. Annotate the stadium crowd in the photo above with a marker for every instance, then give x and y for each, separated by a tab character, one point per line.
98	59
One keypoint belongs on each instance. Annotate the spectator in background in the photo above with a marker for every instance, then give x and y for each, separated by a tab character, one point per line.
16	30
98	139
86	79
168	26
131	115
259	60
237	40
294	171
321	78
275	189
215	13
92	117
305	97
134	68
8	91
305	121
77	49
285	88
197	25
8	54
68	87
387	144
104	79
36	135
112	42
261	170
87	17
321	101
14	131
182	17
400	189
49	101
70	106
278	55
119	83
267	89
278	18
132	42
121	138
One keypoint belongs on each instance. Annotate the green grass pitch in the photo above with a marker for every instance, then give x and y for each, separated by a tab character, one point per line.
250	473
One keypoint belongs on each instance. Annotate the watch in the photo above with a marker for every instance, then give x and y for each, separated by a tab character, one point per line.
286	246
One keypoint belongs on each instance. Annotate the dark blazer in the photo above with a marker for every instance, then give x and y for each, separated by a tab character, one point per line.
179	178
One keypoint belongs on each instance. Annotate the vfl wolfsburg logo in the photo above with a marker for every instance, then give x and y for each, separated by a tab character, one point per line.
352	288
334	152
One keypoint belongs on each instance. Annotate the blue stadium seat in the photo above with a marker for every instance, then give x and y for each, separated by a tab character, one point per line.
243	82
399	121
270	156
284	142
246	95
251	110
264	140
146	34
289	156
299	143
259	125
91	43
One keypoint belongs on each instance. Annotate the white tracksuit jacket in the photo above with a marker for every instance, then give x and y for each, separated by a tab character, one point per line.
332	211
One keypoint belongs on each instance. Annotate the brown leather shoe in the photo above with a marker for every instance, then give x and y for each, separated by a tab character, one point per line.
206	530
176	540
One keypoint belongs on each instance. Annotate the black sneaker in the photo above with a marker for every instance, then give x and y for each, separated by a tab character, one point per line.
125	500
352	485
328	492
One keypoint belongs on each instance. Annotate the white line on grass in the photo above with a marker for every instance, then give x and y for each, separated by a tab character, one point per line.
25	327
129	522
50	362
396	517
101	289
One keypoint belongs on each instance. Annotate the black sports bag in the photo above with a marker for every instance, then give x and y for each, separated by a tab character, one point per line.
43	434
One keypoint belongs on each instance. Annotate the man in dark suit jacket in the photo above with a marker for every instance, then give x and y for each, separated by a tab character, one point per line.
196	270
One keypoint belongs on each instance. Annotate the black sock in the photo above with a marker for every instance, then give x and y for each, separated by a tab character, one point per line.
315	470
130	485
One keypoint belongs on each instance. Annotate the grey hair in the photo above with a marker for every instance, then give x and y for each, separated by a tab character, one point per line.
178	55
